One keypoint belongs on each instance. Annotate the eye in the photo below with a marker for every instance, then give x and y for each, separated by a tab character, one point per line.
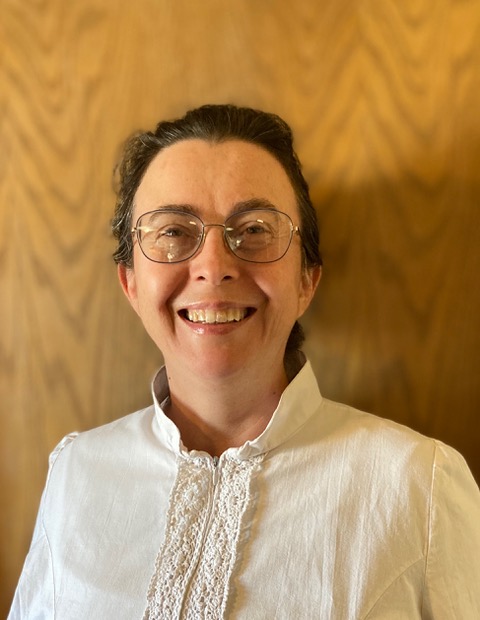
256	228
172	231
252	236
253	228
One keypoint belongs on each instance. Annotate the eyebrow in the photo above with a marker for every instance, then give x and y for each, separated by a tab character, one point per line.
244	205
253	203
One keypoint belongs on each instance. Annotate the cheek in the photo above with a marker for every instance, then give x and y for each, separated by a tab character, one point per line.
301	294
285	290
156	285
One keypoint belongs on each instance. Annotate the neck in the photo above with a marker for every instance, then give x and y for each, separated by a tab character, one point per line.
215	414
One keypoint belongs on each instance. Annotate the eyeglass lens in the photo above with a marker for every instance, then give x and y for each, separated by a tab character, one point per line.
169	236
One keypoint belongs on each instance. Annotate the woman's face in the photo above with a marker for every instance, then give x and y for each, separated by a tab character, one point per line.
214	314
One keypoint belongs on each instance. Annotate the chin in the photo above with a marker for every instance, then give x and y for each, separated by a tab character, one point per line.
218	365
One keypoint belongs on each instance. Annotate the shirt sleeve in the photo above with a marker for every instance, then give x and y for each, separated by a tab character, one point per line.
452	578
34	596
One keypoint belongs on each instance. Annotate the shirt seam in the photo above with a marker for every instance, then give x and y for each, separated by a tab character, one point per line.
390	585
50	557
425	556
430	522
68	439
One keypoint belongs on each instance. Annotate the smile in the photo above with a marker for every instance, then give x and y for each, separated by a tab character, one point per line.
210	316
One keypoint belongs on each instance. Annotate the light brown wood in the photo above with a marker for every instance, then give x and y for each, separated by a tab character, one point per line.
383	98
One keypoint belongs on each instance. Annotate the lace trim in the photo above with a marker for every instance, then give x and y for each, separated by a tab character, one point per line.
194	565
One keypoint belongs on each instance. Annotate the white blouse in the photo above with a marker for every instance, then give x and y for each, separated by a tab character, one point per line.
330	514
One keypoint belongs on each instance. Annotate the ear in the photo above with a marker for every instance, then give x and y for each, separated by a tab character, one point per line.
128	281
310	279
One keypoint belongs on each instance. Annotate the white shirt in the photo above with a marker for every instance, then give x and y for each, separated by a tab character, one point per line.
329	514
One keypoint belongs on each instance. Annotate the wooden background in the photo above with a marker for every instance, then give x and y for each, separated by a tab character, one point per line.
384	98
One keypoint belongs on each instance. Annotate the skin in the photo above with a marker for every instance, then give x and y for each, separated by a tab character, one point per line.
225	379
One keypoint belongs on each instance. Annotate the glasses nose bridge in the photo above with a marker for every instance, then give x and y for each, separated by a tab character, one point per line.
212	226
204	231
225	243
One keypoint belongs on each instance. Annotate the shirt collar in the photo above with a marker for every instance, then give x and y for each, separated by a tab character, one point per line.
299	401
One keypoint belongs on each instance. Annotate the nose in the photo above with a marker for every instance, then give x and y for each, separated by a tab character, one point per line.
214	262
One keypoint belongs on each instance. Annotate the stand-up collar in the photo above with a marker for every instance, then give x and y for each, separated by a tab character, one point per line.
299	401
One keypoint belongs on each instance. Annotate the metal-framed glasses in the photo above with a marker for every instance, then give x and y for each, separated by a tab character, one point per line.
254	235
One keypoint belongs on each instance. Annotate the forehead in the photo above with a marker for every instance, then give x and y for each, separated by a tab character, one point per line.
214	177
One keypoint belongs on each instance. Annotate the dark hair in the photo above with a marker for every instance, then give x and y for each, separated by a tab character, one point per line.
215	123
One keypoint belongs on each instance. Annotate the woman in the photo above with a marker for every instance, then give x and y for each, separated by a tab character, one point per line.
241	492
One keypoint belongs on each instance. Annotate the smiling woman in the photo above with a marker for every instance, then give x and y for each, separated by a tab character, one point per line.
269	285
241	492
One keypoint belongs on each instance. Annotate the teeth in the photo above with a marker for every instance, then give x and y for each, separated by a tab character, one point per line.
210	316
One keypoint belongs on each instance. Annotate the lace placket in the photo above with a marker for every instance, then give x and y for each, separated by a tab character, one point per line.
195	562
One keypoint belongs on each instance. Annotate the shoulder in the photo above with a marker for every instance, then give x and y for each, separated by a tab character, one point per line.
125	434
360	426
387	448
383	457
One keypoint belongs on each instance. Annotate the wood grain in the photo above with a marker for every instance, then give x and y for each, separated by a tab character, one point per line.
383	98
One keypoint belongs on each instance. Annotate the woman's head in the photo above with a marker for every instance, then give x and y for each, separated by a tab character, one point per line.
216	124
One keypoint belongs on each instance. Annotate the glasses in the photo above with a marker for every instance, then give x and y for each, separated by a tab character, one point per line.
256	235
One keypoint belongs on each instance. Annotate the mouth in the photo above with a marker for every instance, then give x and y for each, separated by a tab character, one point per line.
210	316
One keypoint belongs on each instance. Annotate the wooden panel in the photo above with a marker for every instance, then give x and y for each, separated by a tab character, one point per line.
395	328
383	98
